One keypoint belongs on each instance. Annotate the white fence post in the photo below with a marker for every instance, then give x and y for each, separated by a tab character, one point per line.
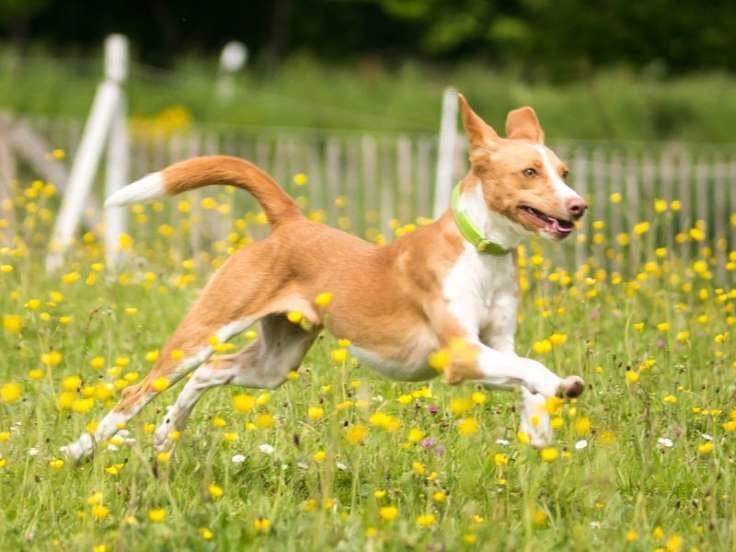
106	109
118	148
233	58
445	152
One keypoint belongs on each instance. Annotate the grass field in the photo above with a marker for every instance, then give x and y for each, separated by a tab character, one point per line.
340	458
613	104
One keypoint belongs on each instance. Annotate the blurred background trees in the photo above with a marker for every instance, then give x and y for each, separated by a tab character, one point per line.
554	39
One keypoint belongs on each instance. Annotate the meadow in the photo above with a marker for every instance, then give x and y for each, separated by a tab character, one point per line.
339	457
616	103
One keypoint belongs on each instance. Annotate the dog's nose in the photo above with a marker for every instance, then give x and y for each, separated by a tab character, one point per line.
576	206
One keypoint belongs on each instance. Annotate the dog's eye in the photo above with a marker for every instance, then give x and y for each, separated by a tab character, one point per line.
529	172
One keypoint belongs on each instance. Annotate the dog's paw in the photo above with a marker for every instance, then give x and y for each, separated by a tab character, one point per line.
571	387
79	449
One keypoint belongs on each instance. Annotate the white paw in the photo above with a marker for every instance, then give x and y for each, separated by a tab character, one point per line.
543	381
535	420
82	447
571	387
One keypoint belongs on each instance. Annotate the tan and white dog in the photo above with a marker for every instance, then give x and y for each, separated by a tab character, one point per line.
452	281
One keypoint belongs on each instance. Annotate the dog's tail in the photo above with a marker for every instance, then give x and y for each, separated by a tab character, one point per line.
206	171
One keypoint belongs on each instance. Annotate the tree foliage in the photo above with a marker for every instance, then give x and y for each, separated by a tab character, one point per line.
559	39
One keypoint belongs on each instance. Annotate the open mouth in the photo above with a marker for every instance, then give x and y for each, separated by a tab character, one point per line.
559	228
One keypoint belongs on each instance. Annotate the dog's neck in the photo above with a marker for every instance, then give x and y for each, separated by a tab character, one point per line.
494	226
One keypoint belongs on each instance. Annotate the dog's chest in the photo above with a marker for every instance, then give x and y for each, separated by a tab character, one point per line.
480	289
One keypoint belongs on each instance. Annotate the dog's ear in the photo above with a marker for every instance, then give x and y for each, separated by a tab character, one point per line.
478	132
523	123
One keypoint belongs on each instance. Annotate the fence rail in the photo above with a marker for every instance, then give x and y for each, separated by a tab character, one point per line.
389	178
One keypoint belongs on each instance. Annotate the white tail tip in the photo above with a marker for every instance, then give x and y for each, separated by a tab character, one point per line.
148	187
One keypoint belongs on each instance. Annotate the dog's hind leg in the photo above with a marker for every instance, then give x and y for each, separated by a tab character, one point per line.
265	363
189	346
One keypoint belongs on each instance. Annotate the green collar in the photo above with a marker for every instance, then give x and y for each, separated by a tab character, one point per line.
469	230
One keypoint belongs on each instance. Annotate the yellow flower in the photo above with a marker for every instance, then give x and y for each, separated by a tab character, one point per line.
539	517
160	384
696	234
705	448
674	543
500	459
550	454
439	496
157	515
163	457
615	198
439	359
542	347
56	464
356	434
478	397
339	355
218	422
323	299
52	358
631	536
12	323
11	392
632	377
70	277
641	228
300	179
426	520
467	427
558	339
582	426
294	316
415	435
243	403
669	399
623	239
319	456
262	525
388	513
214	490
418	468
660	205
460	405
100	511
264	421
206	533
315	413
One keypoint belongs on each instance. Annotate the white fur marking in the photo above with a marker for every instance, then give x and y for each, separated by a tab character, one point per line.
477	285
395	370
563	191
148	187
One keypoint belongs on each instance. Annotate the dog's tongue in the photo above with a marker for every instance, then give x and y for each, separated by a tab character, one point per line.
561	226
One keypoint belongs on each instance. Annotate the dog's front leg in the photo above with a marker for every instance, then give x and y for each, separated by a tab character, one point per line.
499	335
505	370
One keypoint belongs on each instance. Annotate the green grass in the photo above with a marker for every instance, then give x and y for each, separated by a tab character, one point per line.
586	499
614	104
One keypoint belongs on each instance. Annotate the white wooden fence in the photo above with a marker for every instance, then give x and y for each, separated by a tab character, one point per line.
392	176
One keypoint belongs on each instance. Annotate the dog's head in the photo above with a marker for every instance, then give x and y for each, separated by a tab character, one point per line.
521	178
